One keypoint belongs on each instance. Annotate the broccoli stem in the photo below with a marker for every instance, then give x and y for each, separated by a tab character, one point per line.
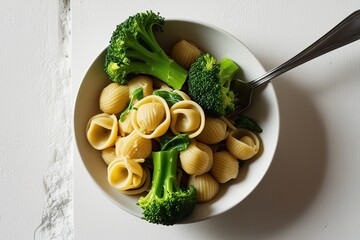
172	73
156	62
166	203
164	176
165	68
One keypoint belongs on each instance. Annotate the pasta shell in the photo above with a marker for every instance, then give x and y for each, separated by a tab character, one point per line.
124	174
206	187
118	145
196	159
185	53
118	175
214	131
243	144
114	98
101	131
149	116
141	81
187	117
187	120
126	127
144	184
154	120
108	155
133	146
225	166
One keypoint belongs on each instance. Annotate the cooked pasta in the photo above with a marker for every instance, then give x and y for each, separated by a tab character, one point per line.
211	158
101	131
215	130
225	166
124	173
152	117
185	53
118	145
144	185
187	117
125	127
206	187
243	144
133	146
114	98
143	81
196	159
108	155
149	116
228	123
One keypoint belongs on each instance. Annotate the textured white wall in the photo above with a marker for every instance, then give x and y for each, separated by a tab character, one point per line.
35	114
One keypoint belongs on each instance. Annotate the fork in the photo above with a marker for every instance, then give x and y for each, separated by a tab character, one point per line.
347	31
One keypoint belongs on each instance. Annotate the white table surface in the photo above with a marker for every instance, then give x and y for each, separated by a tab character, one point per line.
311	190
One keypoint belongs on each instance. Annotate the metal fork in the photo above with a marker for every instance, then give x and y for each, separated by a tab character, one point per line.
342	34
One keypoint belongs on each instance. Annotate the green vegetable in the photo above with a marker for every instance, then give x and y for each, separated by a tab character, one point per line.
209	84
136	94
133	49
179	143
247	123
170	97
167	203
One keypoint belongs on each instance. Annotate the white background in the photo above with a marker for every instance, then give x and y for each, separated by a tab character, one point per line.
311	190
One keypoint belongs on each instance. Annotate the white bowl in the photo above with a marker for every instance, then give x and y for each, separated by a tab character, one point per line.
264	110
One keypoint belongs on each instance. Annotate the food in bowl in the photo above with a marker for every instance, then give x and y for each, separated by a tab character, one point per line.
159	123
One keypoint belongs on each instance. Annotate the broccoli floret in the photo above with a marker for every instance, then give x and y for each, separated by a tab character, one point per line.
209	84
167	203
133	49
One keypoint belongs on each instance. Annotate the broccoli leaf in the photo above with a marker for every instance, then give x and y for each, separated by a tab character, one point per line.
179	143
136	94
170	97
247	123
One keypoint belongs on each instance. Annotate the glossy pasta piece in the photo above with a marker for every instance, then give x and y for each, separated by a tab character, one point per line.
114	98
124	174
108	155
206	187
144	185
185	53
102	130
125	127
243	144
215	130
196	159
133	146
152	117
187	117
225	166
143	81
118	145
